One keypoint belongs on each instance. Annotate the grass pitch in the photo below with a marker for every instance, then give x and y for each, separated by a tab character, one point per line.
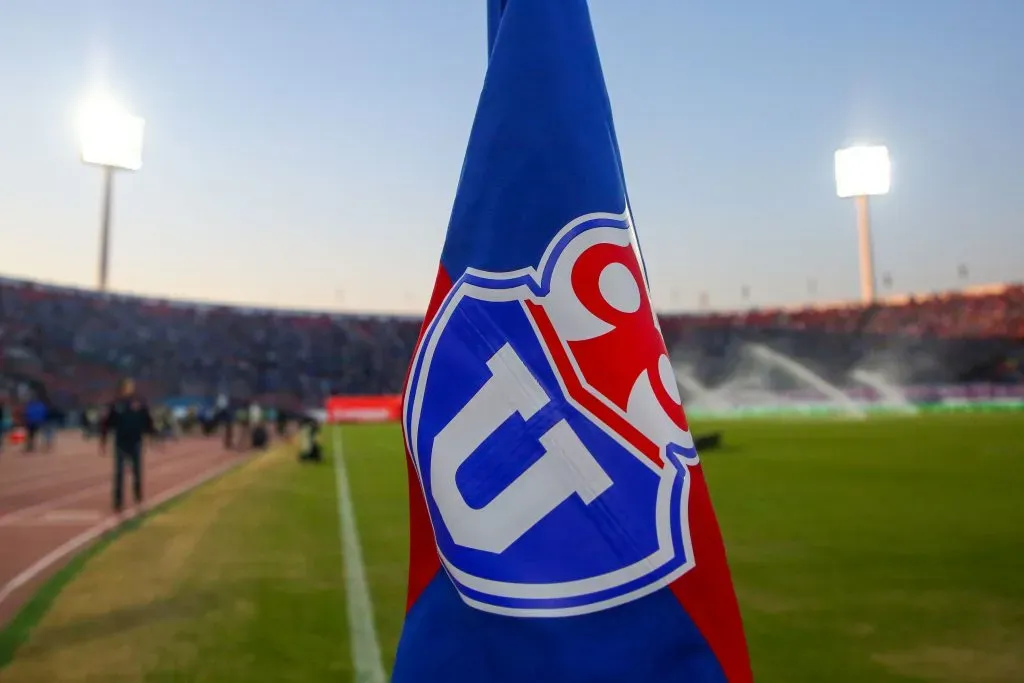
880	550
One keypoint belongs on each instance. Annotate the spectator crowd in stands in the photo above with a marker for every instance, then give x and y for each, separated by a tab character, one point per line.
70	346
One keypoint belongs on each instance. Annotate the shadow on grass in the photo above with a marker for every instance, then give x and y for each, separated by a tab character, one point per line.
184	606
17	631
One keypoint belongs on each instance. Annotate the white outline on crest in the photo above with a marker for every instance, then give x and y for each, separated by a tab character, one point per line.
521	289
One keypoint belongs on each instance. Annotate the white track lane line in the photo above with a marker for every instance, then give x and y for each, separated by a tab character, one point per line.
93	532
66	476
362	633
18	515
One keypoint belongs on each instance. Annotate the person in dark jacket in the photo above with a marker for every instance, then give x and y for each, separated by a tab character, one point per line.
129	419
226	418
282	423
3	421
35	416
51	423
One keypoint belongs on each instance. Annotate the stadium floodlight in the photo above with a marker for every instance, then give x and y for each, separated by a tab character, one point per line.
863	171
111	138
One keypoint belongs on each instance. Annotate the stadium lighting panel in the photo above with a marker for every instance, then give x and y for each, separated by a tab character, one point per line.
110	136
863	171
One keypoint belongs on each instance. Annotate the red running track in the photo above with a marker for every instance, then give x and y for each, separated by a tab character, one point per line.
54	504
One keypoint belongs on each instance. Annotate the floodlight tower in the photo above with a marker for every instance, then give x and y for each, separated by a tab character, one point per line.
110	138
861	172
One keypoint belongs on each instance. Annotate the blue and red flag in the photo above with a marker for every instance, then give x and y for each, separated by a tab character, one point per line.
561	526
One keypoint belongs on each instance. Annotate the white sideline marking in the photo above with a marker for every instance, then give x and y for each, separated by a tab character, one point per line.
362	633
93	532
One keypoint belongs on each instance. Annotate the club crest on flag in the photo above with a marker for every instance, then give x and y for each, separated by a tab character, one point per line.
544	423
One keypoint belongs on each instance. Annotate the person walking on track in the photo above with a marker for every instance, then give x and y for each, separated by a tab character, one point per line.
35	415
3	420
129	419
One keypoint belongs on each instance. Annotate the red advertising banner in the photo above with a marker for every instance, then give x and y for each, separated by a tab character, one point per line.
363	409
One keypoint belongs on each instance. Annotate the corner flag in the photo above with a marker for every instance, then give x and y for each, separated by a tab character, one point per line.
561	529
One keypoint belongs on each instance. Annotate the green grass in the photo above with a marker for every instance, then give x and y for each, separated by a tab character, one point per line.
883	550
375	460
890	549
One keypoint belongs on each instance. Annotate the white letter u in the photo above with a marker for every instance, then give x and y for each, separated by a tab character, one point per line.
566	468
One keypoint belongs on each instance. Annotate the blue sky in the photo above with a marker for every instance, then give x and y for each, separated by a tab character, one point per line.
306	152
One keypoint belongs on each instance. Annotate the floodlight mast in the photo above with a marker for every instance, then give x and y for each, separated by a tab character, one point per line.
867	251
860	173
112	140
108	191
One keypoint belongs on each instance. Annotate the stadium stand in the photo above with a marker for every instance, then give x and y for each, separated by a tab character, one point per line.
969	336
72	345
